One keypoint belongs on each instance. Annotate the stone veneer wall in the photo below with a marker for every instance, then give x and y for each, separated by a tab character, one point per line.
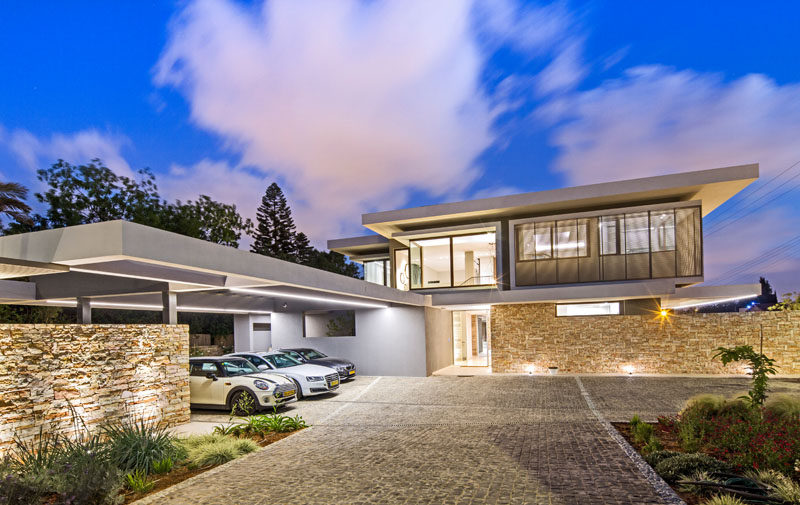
531	334
100	372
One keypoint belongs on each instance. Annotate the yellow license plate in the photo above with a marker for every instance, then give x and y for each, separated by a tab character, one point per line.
288	393
351	372
335	383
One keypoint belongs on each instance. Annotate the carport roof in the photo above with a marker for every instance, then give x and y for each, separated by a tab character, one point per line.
119	262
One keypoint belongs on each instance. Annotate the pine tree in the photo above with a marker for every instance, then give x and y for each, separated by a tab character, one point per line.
275	233
304	251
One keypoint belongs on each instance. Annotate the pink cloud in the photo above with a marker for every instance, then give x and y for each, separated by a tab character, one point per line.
350	103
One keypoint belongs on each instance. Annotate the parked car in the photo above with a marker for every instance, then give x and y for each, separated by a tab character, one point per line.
309	379
346	368
222	382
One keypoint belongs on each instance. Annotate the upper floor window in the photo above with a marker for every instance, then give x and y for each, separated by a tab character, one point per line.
626	246
443	262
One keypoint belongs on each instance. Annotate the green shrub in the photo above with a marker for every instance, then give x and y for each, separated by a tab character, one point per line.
78	472
707	403
670	469
215	449
724	499
690	434
635	420
261	425
162	466
653	445
760	365
781	487
642	433
784	405
654	458
136	445
138	483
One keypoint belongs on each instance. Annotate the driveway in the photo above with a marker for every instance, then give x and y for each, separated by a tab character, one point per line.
455	440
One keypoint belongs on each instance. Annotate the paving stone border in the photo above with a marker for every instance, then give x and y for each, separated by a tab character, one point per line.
659	485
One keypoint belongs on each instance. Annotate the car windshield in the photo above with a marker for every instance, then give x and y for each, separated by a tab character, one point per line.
234	367
281	360
296	355
312	354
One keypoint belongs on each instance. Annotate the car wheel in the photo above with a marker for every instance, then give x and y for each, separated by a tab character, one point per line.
299	390
243	403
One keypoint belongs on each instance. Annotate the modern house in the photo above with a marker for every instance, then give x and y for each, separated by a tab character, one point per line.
514	282
619	248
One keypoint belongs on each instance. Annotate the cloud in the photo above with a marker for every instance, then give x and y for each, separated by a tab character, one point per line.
657	120
351	104
35	152
217	179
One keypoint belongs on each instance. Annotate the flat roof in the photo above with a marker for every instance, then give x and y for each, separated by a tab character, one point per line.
712	187
120	262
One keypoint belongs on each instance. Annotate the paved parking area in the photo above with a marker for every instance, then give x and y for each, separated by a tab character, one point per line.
454	440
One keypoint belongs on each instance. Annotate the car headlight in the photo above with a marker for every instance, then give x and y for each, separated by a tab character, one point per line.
261	384
315	378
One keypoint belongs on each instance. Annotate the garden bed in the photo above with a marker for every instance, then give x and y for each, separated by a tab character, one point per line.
127	460
725	447
181	473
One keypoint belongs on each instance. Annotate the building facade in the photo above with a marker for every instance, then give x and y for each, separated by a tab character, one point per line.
630	247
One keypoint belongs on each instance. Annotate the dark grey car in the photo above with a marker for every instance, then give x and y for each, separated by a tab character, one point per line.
346	368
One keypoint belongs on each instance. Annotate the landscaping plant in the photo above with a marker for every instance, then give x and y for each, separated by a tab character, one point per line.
762	367
784	405
138	445
137	482
209	450
674	467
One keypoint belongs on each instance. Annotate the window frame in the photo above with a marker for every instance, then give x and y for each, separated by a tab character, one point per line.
452	273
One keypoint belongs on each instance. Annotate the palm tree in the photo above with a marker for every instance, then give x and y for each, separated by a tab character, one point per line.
12	205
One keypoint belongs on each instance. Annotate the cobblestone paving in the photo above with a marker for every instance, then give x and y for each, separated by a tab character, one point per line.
452	440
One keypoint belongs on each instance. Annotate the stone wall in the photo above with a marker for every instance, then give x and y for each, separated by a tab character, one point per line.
98	372
530	336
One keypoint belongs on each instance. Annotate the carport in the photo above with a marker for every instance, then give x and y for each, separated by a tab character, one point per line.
122	265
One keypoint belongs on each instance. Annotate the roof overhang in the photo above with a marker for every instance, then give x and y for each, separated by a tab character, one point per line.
118	262
364	246
712	187
696	296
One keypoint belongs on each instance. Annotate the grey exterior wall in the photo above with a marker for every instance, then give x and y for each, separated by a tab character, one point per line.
439	339
388	341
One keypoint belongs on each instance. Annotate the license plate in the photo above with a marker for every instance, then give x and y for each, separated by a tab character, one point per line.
288	393
335	383
351	372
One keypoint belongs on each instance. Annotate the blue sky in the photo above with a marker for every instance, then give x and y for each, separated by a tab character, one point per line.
359	106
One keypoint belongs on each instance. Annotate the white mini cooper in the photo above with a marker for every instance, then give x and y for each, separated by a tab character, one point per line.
223	382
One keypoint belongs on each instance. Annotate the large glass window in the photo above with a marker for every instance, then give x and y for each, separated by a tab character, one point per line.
474	259
433	260
463	260
610	234
376	272
636	245
636	233
662	231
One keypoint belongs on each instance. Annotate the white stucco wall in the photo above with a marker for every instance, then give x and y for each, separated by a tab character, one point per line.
388	341
244	338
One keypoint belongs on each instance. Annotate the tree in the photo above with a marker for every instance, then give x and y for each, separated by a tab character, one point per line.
761	368
275	234
790	301
12	205
334	262
207	220
93	193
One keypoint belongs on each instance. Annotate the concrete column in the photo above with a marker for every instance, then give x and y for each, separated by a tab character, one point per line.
84	310
245	338
170	312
